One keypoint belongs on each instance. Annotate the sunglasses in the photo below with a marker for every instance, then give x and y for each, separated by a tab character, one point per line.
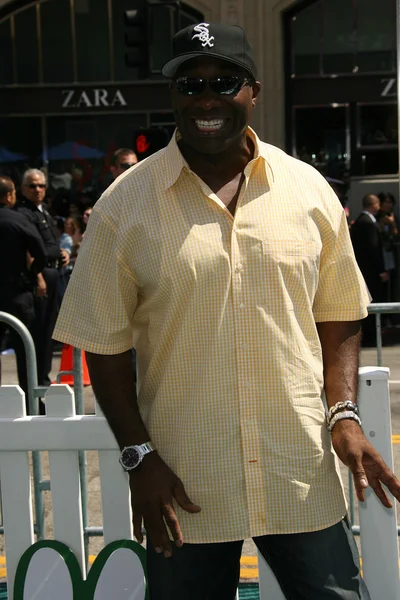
224	86
126	165
33	186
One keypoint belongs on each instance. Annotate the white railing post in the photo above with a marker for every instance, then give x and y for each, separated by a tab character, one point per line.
378	525
65	479
269	586
15	488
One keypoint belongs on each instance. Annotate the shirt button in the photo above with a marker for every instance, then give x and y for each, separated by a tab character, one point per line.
245	346
241	305
239	266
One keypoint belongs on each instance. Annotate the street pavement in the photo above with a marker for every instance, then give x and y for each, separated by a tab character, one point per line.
390	358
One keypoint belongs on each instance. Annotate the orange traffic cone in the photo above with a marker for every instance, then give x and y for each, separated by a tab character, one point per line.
67	365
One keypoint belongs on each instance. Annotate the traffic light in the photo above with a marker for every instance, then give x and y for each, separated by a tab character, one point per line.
148	141
137	38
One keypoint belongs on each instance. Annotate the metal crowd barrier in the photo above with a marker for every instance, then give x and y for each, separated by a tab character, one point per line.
377	309
35	392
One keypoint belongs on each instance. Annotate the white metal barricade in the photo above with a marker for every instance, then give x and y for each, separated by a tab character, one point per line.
63	434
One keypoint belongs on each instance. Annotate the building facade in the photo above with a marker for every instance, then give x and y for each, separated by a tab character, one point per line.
328	69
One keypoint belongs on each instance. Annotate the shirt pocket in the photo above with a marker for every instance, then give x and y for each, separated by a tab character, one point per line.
291	267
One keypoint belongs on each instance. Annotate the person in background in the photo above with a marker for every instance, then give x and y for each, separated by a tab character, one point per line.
85	216
122	160
389	231
240	326
18	238
33	190
66	228
368	249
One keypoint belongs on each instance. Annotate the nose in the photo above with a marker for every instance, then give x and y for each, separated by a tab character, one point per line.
208	99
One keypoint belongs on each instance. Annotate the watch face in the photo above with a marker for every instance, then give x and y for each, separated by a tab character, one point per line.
130	458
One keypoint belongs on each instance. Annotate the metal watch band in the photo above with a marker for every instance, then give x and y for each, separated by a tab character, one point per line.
146	447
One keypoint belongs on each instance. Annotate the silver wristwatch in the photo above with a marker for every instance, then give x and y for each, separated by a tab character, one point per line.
131	456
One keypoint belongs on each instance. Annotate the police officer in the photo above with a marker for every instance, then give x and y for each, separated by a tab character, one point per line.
18	273
33	191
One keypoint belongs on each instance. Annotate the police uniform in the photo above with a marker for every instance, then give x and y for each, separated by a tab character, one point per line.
17	237
45	307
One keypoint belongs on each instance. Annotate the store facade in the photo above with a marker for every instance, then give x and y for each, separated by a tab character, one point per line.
328	69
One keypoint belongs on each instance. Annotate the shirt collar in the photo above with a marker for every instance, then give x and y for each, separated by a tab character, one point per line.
175	163
371	216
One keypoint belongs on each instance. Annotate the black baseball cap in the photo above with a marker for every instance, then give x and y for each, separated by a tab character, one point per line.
217	40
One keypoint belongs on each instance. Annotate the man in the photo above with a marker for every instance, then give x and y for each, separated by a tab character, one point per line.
122	159
368	249
17	281
238	325
33	191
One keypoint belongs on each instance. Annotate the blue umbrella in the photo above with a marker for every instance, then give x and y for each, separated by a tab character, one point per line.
72	150
6	156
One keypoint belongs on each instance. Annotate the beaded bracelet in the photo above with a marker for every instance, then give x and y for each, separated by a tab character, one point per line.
347	414
347	404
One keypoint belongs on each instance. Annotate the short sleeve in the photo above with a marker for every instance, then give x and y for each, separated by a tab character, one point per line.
101	297
342	294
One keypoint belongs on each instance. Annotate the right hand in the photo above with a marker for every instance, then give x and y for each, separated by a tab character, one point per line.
384	276
41	287
154	487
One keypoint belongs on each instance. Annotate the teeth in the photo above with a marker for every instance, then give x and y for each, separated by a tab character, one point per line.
209	124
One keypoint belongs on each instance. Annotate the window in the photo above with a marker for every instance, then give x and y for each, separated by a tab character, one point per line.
321	138
376	38
306	31
339	39
20	135
6	66
92	40
56	41
344	36
26	43
377	125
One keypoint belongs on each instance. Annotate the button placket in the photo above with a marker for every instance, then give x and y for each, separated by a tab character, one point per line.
248	420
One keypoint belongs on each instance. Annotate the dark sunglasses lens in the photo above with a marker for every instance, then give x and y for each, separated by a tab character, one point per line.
226	86
126	165
33	186
190	86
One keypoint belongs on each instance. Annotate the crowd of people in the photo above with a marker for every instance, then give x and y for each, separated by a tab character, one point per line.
41	228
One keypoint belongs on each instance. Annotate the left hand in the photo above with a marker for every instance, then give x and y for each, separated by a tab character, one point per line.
366	464
65	257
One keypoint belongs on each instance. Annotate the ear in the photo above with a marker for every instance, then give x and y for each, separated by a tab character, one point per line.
256	90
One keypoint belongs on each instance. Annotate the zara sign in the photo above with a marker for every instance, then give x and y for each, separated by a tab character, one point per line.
96	97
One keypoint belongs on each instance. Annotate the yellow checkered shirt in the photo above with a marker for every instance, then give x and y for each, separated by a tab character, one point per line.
222	311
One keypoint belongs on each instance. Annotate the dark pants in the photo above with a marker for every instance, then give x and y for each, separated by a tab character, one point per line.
20	305
321	565
42	330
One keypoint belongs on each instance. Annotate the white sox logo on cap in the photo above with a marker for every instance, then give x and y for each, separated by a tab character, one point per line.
203	35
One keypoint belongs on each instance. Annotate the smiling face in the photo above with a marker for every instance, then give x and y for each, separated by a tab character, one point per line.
211	123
